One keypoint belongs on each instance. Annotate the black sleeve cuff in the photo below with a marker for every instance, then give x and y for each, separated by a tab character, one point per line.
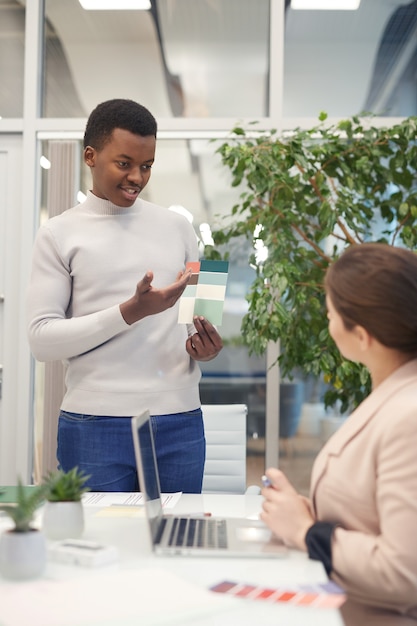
319	543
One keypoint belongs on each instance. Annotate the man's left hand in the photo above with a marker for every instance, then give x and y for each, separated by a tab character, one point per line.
206	343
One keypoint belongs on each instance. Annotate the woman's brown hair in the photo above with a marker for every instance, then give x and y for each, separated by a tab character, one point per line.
374	285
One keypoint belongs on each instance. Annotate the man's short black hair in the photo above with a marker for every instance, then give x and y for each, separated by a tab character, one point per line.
118	113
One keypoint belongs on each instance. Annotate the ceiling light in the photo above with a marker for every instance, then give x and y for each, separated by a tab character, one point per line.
45	163
206	235
177	208
115	5
261	251
325	5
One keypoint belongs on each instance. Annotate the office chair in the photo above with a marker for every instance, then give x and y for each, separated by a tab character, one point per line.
225	428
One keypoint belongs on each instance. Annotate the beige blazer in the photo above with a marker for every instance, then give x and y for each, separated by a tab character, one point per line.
365	480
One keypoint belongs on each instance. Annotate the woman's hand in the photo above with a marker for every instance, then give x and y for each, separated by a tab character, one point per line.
285	512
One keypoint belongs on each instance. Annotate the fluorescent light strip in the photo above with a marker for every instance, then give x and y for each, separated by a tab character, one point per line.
325	5
115	5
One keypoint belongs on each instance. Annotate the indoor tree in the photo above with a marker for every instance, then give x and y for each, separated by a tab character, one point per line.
307	195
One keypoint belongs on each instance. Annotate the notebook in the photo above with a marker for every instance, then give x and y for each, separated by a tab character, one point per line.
187	535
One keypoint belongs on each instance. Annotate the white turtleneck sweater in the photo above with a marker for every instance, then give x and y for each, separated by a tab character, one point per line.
86	262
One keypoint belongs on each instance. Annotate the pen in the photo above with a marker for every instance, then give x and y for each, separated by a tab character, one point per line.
265	481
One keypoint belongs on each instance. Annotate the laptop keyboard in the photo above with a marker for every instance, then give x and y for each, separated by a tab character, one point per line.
196	533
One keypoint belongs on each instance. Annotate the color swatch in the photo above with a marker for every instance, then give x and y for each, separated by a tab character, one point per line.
204	295
325	596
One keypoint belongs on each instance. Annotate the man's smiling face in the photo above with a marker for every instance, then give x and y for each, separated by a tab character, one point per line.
122	168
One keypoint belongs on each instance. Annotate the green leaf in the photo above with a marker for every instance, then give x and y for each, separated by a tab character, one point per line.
23	511
65	486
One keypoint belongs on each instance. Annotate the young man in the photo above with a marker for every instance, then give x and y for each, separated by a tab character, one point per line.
123	348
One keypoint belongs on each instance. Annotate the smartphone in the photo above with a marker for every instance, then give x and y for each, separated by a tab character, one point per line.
265	481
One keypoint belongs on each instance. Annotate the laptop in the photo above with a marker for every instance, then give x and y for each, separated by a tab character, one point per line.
187	535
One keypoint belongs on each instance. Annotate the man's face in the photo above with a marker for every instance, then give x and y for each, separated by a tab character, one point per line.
122	168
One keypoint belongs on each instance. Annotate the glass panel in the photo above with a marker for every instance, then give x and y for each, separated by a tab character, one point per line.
12	53
219	51
187	175
190	174
346	62
188	58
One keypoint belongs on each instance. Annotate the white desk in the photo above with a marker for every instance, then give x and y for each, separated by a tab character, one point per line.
129	535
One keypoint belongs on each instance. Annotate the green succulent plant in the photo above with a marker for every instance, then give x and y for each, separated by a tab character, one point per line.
66	486
23	510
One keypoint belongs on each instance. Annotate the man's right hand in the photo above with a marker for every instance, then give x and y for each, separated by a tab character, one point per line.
147	300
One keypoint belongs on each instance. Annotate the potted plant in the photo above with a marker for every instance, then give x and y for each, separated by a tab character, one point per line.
63	515
23	548
306	196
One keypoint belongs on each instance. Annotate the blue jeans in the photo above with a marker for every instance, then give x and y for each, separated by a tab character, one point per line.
102	447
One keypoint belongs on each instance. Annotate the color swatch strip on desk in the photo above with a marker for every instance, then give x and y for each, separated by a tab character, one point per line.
325	596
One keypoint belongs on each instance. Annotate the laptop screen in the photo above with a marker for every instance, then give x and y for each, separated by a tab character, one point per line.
147	468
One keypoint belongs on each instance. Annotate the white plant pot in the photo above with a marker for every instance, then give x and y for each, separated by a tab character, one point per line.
63	520
22	555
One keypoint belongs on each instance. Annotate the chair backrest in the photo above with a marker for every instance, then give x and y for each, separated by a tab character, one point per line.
225	429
